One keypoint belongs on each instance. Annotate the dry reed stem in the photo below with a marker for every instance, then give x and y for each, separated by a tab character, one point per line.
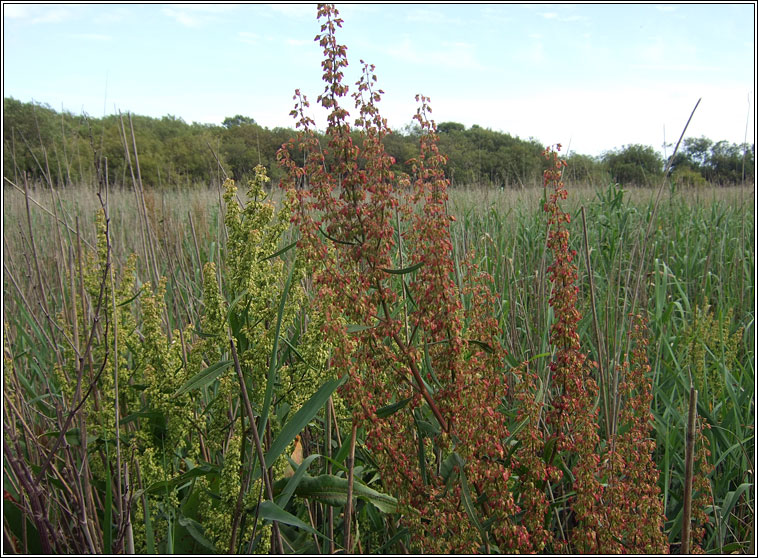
258	446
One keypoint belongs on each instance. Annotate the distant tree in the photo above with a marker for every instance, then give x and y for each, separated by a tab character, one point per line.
55	148
483	156
687	177
583	169
402	147
237	120
450	127
697	151
718	163
240	148
728	161
636	164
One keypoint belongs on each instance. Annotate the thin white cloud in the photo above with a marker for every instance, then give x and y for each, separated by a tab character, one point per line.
182	17
36	13
206	8
195	15
297	11
298	42
494	14
430	17
536	53
565	19
17	11
112	16
248	38
655	51
91	36
457	55
678	67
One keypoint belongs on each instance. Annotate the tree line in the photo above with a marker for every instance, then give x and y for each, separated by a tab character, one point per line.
61	148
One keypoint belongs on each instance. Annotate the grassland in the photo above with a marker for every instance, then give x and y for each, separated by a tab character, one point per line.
692	252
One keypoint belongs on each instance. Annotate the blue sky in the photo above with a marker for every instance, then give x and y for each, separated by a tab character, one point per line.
592	76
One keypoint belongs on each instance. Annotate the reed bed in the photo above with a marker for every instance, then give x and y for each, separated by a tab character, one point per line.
371	363
699	295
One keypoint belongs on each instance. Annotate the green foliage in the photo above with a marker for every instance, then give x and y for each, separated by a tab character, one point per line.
127	426
483	156
729	163
63	149
686	177
583	169
721	163
634	165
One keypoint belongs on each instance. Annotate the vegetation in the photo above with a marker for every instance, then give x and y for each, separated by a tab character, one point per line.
63	149
366	359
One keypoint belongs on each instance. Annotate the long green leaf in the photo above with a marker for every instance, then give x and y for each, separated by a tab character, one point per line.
280	252
273	359
731	499
393	408
294	480
149	535
296	424
196	531
469	505
108	510
204	378
332	490
403	271
269	510
161	486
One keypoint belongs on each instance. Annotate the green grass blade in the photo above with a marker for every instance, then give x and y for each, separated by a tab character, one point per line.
303	416
204	378
294	481
273	359
270	511
108	508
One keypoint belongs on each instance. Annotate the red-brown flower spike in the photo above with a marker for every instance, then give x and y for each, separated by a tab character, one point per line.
384	274
572	422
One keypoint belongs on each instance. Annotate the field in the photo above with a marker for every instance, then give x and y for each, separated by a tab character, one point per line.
698	294
364	362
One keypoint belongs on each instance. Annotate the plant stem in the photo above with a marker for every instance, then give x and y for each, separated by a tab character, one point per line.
688	473
350	479
257	440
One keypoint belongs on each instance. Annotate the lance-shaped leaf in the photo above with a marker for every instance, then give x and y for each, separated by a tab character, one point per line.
296	424
332	490
270	511
403	271
204	378
294	481
274	358
280	252
162	486
393	408
196	531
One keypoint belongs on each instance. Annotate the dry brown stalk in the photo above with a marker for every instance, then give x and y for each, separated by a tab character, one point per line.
258	446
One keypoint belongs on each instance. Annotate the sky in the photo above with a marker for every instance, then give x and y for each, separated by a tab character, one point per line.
593	77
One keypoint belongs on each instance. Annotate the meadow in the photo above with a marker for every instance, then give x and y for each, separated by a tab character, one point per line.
378	363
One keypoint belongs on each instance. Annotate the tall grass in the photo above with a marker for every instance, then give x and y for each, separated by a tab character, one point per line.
699	295
404	369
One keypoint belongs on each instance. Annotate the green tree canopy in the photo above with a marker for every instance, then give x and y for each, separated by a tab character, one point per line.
638	165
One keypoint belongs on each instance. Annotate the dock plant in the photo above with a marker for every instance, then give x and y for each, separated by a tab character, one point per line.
345	364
